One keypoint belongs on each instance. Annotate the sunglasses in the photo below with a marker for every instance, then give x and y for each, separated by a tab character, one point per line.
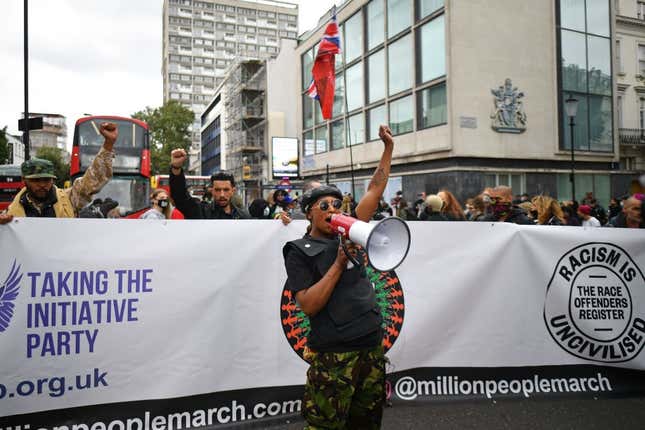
324	205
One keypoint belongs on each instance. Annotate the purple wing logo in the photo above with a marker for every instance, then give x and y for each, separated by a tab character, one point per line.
8	294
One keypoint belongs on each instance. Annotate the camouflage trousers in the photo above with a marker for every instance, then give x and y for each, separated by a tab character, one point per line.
345	390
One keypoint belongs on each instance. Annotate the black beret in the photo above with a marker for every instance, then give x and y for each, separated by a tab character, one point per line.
311	196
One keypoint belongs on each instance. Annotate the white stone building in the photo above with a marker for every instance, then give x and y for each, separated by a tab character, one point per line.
474	92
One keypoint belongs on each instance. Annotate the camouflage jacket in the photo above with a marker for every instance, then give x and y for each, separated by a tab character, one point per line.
81	192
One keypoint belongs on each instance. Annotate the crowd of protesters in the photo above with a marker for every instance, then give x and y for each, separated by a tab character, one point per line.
40	198
498	204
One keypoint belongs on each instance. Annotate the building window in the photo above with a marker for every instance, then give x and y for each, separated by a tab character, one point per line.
375	23
619	110
641	113
572	14
426	7
354	37
431	106
431	49
599	65
338	134
356	129
585	73
376	76
401	115
321	139
399	16
338	107
318	119
308	111
581	131
309	144
355	80
307	63
598	184
517	181
641	60
574	59
640	9
619	57
600	123
375	117
400	65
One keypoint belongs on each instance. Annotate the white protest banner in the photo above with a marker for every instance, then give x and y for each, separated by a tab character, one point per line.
146	324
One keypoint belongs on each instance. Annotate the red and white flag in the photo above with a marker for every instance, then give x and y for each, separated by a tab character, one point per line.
323	82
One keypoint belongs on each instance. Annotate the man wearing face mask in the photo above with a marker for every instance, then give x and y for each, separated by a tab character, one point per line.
502	208
161	208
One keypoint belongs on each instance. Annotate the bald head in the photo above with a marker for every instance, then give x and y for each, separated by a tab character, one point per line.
632	210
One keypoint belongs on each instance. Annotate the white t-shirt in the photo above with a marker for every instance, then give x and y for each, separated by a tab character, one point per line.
152	214
591	222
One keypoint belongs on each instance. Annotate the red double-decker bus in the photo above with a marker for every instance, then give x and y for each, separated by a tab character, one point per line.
130	183
10	184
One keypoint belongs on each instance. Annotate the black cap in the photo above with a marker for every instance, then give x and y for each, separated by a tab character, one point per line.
312	196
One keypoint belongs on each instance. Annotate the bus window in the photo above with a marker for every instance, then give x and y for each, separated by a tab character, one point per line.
10	184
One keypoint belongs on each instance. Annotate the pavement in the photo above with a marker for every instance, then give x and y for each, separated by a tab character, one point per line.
553	414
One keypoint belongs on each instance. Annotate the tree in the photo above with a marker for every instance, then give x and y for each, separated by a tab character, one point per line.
61	168
169	129
4	146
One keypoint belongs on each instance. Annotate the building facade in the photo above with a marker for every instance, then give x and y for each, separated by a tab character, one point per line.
253	104
629	60
53	134
475	95
201	39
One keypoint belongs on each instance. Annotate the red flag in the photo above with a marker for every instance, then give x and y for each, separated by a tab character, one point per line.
324	70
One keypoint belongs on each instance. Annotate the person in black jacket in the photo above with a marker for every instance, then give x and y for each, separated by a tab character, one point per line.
223	190
502	209
346	381
432	210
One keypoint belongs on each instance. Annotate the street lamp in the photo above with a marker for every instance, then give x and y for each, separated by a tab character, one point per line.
571	105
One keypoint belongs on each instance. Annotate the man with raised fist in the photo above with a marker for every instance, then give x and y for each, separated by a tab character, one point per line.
221	207
41	198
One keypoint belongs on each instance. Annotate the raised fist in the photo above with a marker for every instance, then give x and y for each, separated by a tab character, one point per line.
385	134
109	131
177	158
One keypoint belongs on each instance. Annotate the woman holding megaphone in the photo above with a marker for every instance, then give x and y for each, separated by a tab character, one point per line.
346	379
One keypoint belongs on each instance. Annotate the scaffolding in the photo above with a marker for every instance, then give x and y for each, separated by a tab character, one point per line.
245	125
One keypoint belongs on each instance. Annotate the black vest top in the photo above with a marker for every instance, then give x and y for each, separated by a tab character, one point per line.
351	313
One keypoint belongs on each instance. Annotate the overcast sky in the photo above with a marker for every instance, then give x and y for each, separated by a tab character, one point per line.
90	56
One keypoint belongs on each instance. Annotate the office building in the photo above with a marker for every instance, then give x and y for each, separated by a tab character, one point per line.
475	94
201	39
254	104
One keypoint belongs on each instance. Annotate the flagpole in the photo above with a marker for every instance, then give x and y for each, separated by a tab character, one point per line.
348	128
349	133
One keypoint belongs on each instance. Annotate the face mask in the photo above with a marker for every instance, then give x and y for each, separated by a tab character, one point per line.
163	204
501	209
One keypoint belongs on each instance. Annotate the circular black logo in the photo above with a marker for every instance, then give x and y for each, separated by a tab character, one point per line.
591	304
389	298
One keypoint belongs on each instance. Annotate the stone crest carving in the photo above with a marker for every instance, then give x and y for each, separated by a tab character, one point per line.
508	114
